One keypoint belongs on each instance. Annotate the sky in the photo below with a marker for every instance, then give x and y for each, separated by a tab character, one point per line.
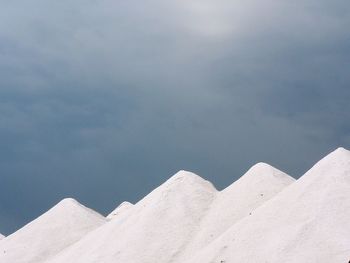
104	100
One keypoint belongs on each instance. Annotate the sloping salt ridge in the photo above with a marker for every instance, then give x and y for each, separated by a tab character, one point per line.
47	235
156	229
1	236
307	222
122	208
240	199
219	210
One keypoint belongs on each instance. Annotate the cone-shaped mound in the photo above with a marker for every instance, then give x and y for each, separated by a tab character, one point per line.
240	199
123	207
155	230
263	172
307	222
47	235
188	179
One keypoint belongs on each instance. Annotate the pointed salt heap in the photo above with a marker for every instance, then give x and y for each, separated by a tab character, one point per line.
122	208
307	222
47	235
155	230
1	236
240	199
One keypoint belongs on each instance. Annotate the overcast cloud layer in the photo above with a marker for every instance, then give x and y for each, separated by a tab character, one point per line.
104	100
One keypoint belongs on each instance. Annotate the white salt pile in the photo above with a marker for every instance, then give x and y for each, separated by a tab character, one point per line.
307	222
184	214
123	207
263	217
47	235
237	201
155	230
1	236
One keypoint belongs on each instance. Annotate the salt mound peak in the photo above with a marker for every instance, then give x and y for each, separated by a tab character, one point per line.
338	155
58	228
262	173
71	204
263	169
68	201
334	165
123	207
183	177
183	184
342	149
1	236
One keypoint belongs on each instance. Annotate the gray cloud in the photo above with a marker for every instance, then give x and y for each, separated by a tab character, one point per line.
103	100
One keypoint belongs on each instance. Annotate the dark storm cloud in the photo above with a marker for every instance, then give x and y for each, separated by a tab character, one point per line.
103	100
